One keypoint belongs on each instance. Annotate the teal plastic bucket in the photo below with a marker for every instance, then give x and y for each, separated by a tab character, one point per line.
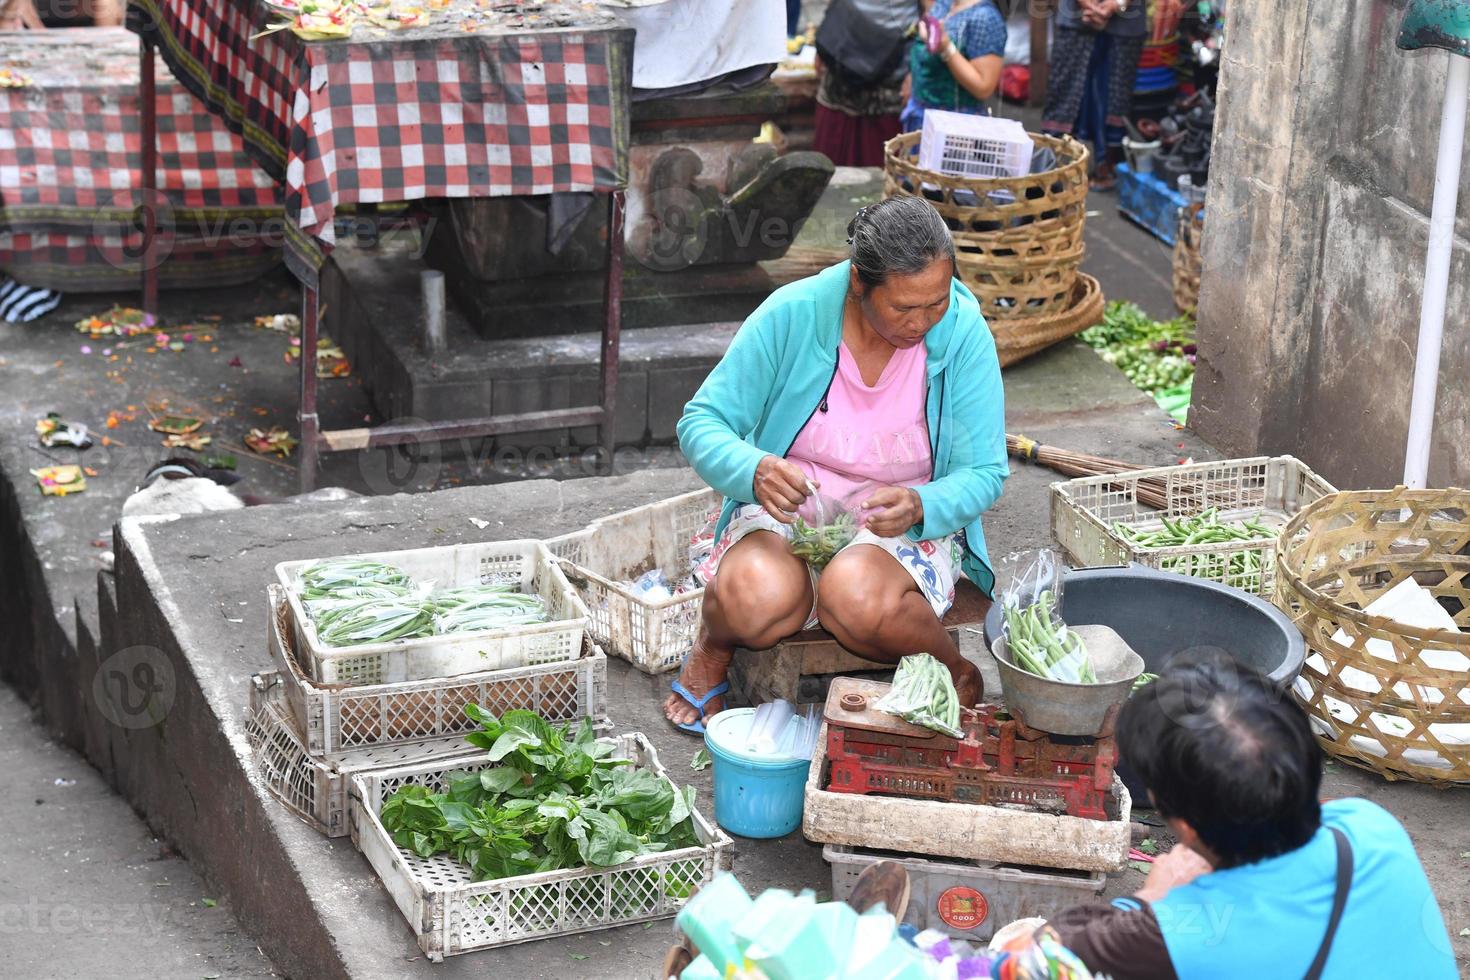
755	795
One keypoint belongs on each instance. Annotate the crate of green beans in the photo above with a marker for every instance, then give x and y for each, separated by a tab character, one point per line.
1217	521
431	612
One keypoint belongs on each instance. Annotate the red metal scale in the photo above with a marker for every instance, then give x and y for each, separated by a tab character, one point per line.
1000	761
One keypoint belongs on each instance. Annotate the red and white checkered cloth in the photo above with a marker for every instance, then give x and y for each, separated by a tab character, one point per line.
70	159
417	113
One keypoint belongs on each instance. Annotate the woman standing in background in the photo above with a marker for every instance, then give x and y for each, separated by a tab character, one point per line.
862	70
1094	63
955	63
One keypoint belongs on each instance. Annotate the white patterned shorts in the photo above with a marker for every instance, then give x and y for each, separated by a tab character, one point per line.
934	565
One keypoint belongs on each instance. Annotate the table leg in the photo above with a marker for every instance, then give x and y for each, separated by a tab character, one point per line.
306	415
612	324
149	182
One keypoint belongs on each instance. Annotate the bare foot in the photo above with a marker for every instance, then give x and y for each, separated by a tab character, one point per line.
702	671
968	683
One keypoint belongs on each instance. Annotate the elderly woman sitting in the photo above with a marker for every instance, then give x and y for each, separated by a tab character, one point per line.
874	382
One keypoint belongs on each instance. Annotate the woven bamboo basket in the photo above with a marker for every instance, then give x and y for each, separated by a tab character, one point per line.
1187	259
1018	339
1018	240
1382	695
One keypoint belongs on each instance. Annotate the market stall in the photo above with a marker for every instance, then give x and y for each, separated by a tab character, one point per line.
360	108
69	166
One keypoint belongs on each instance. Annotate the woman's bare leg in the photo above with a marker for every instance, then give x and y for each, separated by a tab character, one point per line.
872	605
760	595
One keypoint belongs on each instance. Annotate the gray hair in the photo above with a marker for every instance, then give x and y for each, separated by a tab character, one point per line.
898	236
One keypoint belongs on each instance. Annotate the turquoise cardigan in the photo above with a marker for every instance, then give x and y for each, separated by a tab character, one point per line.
778	369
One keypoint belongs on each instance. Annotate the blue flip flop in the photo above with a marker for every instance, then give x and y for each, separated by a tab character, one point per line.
697	727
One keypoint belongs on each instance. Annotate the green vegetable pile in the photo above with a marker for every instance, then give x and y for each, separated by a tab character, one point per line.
556	801
1042	645
354	601
1157	355
817	545
923	693
1205	528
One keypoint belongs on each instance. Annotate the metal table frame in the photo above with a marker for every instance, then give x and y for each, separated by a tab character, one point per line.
314	439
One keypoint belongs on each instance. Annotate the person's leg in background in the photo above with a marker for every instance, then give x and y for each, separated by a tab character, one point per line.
793	18
1122	76
1071	50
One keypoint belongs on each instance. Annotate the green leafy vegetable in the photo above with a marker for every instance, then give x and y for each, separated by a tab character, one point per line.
1156	355
332	574
923	693
1206	527
1040	643
817	545
701	761
556	800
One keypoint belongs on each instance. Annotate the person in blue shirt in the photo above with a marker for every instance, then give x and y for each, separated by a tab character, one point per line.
1254	886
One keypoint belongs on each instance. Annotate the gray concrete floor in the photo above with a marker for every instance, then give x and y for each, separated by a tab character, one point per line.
85	890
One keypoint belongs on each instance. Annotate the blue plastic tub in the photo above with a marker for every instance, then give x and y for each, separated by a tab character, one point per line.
755	796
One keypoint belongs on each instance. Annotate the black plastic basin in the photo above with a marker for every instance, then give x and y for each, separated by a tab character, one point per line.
1161	615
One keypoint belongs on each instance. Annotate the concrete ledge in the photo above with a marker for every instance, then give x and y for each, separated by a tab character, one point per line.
315	905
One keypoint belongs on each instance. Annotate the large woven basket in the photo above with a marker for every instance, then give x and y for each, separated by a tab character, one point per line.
1187	259
1018	240
1017	339
1384	696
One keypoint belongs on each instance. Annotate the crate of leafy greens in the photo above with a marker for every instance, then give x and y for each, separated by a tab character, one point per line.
337	720
637	572
1217	521
550	833
431	612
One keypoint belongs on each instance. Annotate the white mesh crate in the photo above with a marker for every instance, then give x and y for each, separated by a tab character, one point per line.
336	719
527	564
450	913
964	145
314	789
654	634
1271	488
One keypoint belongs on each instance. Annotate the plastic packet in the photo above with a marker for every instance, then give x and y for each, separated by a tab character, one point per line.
923	693
823	526
1037	638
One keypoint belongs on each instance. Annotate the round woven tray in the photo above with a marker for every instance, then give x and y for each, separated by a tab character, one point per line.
1381	695
1018	240
1186	257
1018	339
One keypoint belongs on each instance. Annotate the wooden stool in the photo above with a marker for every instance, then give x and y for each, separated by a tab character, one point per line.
800	668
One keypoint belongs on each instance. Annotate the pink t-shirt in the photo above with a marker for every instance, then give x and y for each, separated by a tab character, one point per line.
869	435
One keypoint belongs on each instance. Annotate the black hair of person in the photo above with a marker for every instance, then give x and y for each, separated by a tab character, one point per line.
898	236
1220	749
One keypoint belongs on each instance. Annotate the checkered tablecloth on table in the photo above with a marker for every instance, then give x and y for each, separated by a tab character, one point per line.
437	111
70	156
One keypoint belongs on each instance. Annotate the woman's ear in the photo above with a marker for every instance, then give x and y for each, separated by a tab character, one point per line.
854	284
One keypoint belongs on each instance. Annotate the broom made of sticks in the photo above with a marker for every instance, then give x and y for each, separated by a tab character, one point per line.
1151	490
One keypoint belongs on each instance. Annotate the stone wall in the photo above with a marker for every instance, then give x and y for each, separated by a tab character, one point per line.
1318	212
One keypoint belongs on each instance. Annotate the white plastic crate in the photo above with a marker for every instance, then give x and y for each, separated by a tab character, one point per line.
964	145
337	720
314	789
653	634
526	563
1271	488
450	913
968	900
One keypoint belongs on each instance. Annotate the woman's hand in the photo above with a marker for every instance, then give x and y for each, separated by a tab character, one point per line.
1178	867
780	487
895	510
